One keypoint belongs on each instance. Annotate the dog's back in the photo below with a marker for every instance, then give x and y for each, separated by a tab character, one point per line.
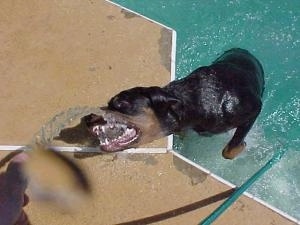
220	96
244	60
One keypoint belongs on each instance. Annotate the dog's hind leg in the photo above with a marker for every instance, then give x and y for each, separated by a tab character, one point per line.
245	119
237	144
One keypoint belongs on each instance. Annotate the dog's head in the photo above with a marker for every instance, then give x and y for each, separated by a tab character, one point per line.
139	100
134	117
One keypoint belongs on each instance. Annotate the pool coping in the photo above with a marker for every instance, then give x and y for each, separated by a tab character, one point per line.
169	147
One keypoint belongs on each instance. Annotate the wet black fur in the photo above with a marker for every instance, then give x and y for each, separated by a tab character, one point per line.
211	100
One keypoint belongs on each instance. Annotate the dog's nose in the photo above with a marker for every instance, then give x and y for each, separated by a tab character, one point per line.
92	119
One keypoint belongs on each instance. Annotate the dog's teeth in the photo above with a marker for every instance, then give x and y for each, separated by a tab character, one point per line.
101	141
124	127
129	131
103	129
96	130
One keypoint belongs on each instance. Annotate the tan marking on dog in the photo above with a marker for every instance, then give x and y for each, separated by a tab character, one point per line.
149	126
233	152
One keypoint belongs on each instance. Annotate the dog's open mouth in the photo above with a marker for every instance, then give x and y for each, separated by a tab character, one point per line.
114	133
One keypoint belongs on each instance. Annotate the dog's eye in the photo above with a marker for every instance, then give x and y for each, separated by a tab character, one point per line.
120	104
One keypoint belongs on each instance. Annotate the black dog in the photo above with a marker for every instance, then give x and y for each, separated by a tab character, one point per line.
211	100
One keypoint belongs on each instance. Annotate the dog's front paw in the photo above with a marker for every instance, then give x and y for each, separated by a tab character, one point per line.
231	153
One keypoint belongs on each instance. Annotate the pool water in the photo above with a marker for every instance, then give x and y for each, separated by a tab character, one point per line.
270	30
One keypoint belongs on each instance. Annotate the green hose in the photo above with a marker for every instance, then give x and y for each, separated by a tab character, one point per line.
239	191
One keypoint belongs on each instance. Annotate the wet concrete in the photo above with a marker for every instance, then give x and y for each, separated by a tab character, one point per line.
165	44
196	175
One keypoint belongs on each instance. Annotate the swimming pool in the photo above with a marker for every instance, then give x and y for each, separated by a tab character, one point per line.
270	30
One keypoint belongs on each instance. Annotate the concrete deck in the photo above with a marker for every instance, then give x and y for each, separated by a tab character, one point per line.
61	54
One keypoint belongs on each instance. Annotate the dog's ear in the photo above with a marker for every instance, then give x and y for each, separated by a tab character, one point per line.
162	102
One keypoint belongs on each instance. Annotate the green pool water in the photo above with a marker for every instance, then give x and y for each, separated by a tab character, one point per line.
270	30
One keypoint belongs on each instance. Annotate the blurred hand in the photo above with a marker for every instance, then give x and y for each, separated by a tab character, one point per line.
12	193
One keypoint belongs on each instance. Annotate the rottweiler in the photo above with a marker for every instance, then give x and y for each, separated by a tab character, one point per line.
211	100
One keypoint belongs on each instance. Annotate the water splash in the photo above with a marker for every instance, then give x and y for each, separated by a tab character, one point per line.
66	118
